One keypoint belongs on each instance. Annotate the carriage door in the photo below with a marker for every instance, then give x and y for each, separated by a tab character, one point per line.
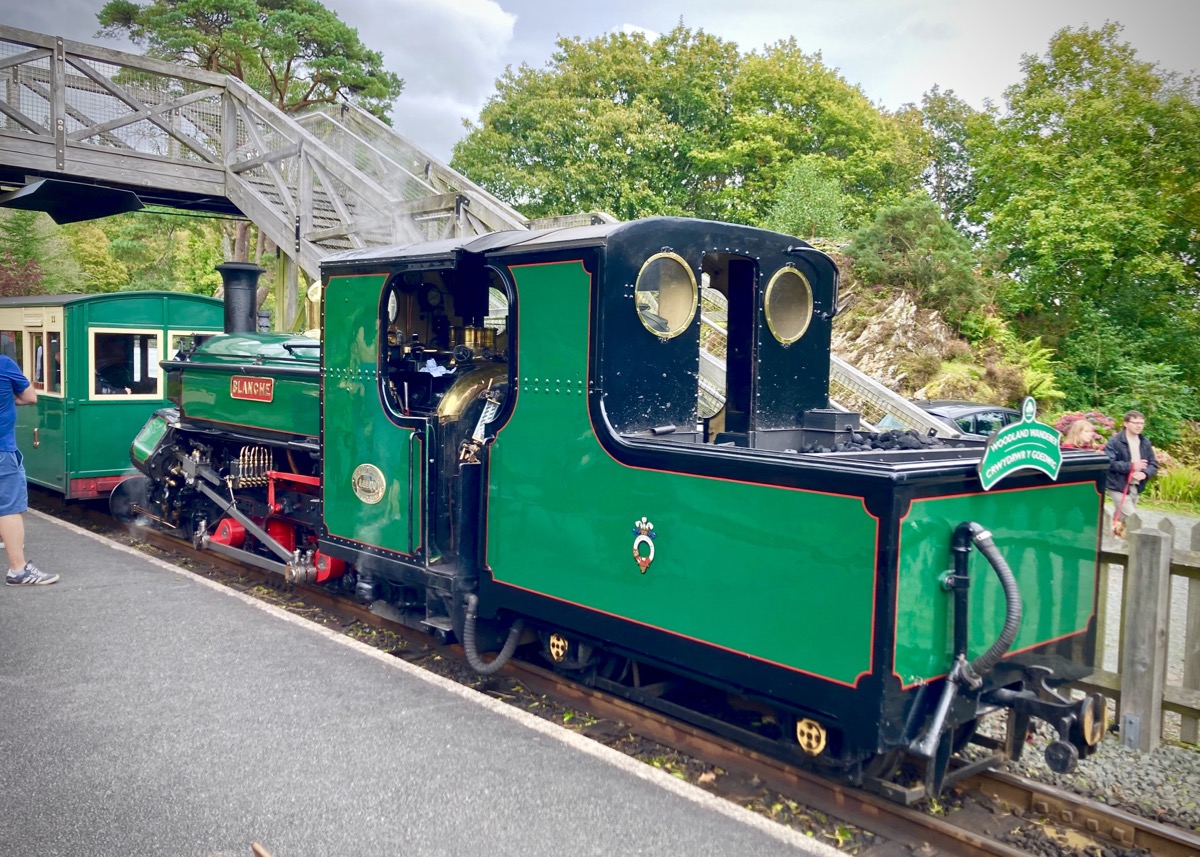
374	468
41	430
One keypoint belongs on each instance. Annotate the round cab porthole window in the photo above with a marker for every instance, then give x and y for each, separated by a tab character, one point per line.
666	295
788	305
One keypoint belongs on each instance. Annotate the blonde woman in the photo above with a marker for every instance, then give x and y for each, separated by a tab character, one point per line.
1080	434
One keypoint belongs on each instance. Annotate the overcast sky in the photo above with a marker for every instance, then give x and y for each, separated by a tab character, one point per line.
450	52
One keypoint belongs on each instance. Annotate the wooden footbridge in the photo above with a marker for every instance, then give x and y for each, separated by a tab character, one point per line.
328	180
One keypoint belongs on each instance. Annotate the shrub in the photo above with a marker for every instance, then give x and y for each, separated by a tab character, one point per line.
911	246
1186	448
1101	422
1179	484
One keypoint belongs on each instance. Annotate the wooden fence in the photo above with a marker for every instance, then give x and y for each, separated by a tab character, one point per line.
1156	564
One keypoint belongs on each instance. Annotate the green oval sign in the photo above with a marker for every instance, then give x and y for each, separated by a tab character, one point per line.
1027	445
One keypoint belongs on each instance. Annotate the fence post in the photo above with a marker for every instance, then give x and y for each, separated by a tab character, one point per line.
1189	727
1144	656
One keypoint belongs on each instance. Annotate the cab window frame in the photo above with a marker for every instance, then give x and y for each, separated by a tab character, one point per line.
153	371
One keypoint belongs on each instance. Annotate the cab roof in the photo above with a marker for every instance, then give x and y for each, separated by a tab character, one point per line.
646	230
65	299
448	247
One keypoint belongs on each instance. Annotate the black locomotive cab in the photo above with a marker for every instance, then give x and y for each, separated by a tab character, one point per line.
727	347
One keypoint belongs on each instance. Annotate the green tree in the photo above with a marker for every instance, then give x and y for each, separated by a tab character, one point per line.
942	135
682	125
34	249
21	237
785	104
294	52
911	246
1087	186
99	271
1104	366
809	201
613	124
200	253
150	250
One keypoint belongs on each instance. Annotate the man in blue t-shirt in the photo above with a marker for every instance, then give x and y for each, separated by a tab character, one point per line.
14	493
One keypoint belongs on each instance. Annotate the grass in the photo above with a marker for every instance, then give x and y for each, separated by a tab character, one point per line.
1170	507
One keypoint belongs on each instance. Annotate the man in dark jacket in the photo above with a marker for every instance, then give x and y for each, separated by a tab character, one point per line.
1131	462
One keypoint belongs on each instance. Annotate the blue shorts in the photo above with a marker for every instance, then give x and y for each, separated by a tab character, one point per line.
14	490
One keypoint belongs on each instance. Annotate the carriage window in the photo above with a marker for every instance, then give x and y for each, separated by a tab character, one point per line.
54	362
184	341
38	352
788	305
666	295
10	346
125	363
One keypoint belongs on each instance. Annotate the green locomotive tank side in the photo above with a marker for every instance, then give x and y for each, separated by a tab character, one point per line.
767	581
264	382
359	438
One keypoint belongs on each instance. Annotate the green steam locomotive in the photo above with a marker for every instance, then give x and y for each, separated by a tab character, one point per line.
512	441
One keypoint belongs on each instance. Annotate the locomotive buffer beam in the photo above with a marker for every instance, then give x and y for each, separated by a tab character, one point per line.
254	529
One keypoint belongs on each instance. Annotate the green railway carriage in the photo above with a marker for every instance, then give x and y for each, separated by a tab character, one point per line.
520	444
93	360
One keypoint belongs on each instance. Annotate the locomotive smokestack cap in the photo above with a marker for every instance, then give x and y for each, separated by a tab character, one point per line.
241	287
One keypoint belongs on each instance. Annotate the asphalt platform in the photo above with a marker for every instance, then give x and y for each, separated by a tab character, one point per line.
147	711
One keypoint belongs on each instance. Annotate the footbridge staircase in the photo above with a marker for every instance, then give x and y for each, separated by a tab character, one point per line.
335	178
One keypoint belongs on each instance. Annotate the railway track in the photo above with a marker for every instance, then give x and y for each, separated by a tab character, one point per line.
994	803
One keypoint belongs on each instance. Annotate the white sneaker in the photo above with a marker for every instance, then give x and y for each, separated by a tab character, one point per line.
30	575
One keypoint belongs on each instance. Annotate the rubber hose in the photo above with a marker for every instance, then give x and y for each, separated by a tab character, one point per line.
983	664
971	674
510	644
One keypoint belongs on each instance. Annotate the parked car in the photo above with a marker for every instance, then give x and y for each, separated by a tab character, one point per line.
971	417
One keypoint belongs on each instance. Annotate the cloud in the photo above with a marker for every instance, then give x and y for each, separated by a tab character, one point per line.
71	19
449	55
631	29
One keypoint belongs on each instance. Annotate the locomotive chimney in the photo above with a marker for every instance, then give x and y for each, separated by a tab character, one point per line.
241	287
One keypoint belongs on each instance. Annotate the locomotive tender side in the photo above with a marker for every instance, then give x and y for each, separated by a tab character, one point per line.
515	438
